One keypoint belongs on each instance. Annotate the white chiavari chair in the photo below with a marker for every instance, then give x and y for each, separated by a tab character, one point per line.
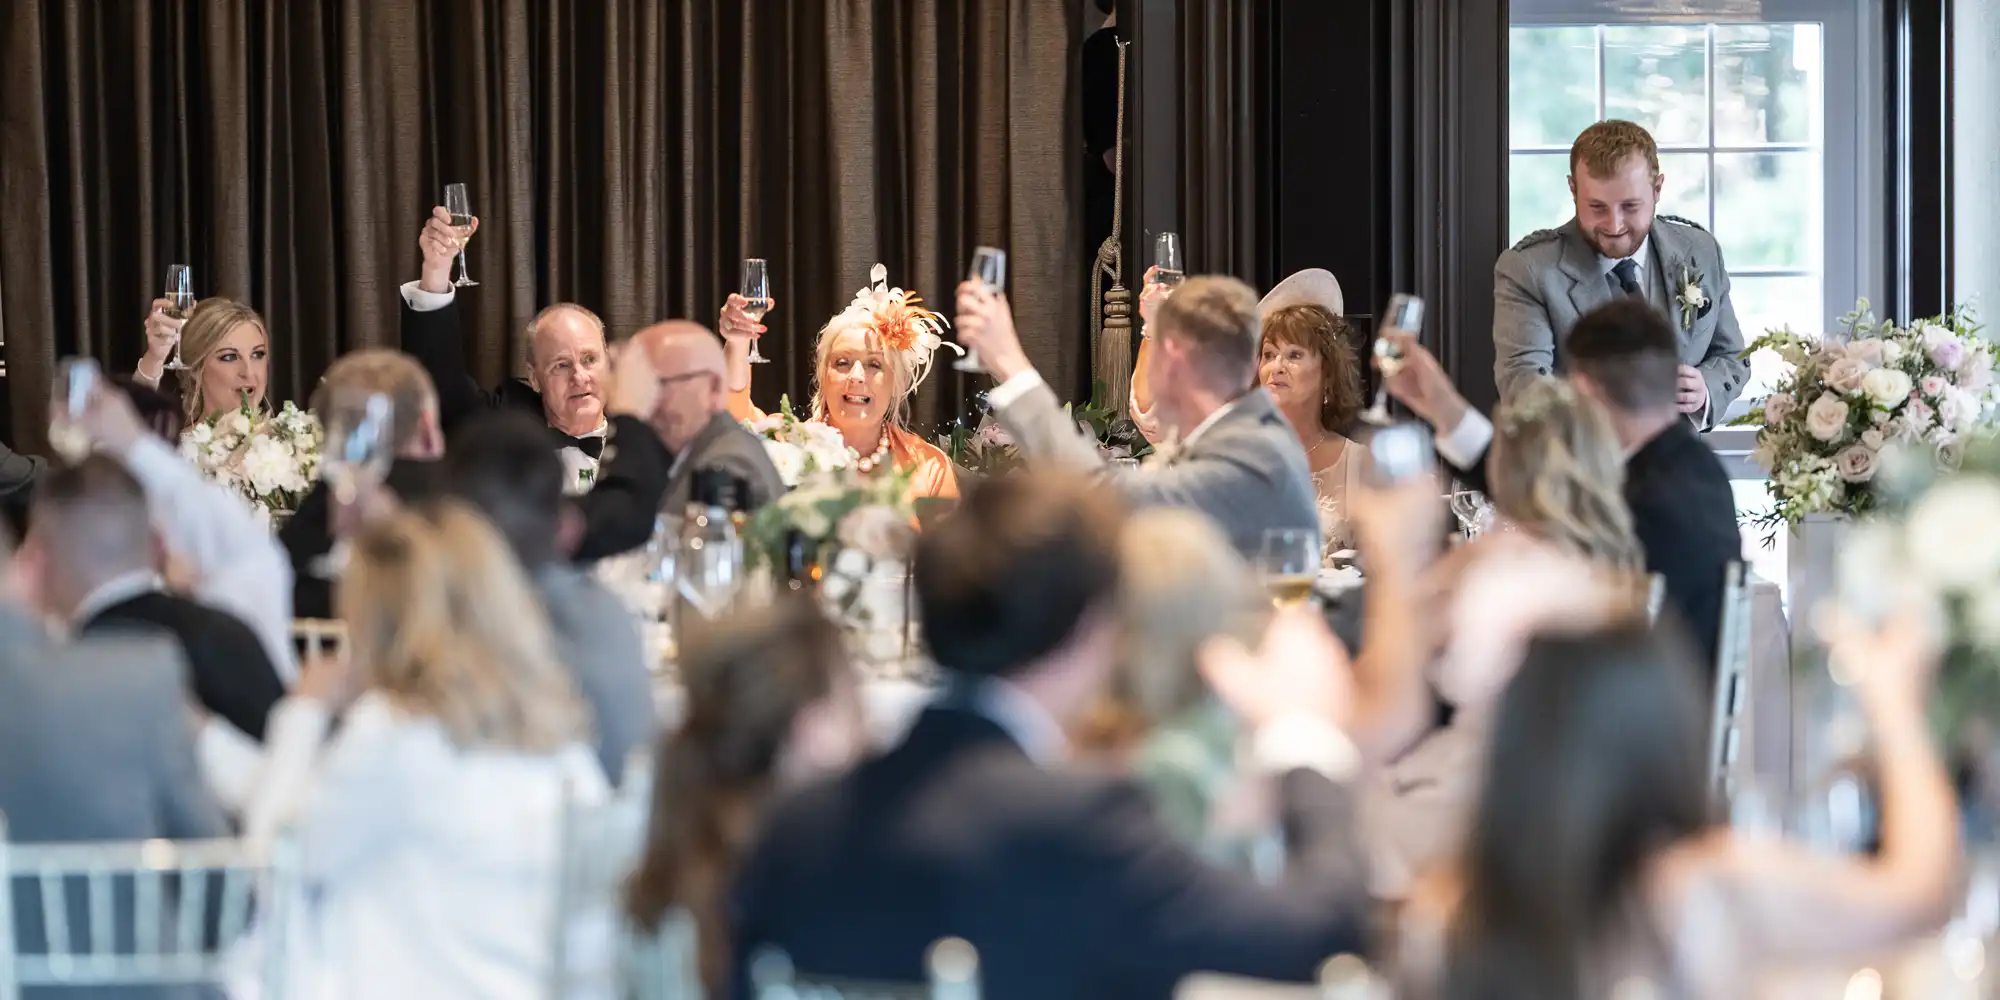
598	847
1656	596
1732	688
318	637
140	913
951	967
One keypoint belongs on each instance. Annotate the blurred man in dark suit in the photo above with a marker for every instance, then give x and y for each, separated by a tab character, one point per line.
1069	886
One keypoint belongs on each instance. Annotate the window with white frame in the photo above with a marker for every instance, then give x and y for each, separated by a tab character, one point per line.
1765	139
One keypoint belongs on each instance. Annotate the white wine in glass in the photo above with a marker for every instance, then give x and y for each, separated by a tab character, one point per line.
359	447
180	299
460	207
1168	267
757	299
1289	564
1405	313
989	268
76	379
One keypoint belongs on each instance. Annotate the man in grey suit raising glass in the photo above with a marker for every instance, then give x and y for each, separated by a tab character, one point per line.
1230	453
1612	248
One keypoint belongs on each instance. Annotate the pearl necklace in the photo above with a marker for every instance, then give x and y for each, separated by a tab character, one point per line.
869	463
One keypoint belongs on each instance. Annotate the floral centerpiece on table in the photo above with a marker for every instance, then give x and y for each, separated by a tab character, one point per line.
846	524
271	459
1823	431
800	449
987	449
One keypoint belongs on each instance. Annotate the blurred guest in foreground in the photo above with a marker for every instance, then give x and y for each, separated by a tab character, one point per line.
975	826
429	828
96	567
1594	860
771	702
503	468
693	418
1623	355
1235	458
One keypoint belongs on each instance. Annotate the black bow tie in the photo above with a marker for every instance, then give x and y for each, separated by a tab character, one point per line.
592	446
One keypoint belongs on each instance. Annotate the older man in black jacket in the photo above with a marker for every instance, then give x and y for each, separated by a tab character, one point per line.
1623	355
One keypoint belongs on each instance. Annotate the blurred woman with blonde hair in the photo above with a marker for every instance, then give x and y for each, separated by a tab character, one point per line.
429	827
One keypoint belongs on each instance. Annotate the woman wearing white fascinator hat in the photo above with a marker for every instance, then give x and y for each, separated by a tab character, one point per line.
1306	361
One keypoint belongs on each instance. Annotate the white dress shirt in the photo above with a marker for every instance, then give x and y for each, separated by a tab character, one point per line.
429	871
237	563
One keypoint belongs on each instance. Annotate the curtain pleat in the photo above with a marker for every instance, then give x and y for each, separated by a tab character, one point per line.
624	154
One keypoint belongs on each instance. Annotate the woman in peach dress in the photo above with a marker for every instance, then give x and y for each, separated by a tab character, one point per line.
868	361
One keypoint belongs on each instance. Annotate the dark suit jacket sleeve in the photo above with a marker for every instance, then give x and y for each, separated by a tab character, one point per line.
619	511
233	676
1694	581
1171	914
435	339
306	536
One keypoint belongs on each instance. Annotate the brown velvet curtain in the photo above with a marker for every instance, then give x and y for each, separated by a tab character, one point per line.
624	154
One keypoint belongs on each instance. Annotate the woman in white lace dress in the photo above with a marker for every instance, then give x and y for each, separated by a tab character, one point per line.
1306	362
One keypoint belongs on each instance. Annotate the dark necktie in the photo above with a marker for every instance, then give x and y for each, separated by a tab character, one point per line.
1626	276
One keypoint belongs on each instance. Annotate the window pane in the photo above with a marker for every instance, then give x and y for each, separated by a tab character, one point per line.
1657	76
1685	190
1768	303
1753	497
1537	193
1769	209
1767	83
1551	84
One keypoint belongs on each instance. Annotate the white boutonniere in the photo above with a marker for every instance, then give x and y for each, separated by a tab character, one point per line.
1689	293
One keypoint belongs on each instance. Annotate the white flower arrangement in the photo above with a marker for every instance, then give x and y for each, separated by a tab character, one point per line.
800	449
271	459
1821	432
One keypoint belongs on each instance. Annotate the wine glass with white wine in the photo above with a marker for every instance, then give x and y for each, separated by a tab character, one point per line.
757	299
1168	269
359	446
1405	313
989	268
76	379
180	302
1289	565
460	207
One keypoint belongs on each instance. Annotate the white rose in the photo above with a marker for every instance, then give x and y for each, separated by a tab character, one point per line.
1856	464
1873	439
268	466
1845	374
1886	386
1826	418
1954	532
235	423
1778	406
1892	352
789	459
1948	450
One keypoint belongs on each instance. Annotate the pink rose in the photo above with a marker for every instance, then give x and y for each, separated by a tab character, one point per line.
1856	464
1845	375
1872	439
1918	416
1778	406
1826	418
1867	349
1932	385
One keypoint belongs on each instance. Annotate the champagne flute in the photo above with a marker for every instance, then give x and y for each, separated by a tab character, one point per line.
1405	313
989	268
180	293
1289	564
1167	267
757	292
76	379
460	208
360	445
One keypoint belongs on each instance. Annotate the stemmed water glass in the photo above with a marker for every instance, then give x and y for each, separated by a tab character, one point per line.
460	207
1405	313
1167	267
1469	506
757	299
989	268
708	570
180	296
359	446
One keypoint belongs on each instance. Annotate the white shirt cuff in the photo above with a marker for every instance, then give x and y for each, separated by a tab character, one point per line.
1301	740
1009	392
1465	444
423	301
